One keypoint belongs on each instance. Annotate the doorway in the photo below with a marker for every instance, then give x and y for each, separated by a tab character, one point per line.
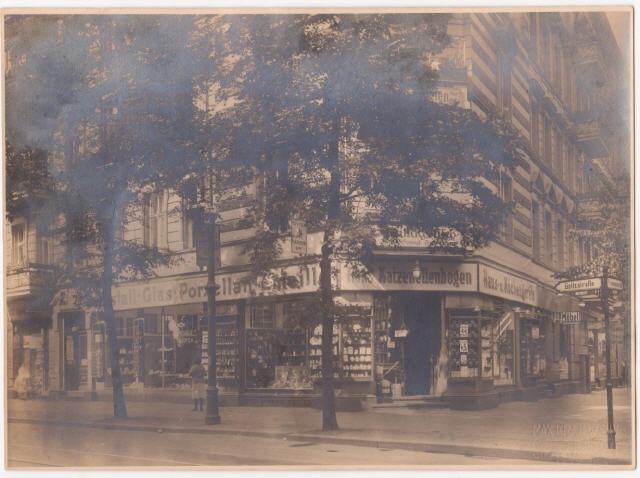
421	347
74	349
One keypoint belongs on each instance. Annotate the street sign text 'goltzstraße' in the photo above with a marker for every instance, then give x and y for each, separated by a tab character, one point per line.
580	284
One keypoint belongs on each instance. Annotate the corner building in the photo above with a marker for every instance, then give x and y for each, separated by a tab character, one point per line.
478	329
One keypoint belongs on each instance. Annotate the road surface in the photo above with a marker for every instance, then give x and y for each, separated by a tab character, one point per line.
36	445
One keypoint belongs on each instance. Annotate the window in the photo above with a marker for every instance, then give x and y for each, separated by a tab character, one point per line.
45	251
535	213
263	316
18	245
547	129
188	241
501	362
571	245
535	133
548	238
155	220
507	196
504	86
560	248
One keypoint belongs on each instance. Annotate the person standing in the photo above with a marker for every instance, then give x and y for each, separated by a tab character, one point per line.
198	388
22	382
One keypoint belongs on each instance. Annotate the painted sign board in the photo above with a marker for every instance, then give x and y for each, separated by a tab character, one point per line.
569	317
507	286
231	286
614	284
579	285
429	276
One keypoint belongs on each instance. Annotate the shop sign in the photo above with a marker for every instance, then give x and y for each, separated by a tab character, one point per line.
432	276
579	285
569	317
401	333
507	286
189	290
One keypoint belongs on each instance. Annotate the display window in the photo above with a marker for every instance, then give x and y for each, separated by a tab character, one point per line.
481	344
532	349
464	346
498	345
159	349
277	345
284	345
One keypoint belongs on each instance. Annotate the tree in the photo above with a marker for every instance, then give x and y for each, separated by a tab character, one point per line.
122	129
309	87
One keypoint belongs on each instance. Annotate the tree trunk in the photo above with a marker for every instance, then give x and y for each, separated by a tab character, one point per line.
329	419
119	406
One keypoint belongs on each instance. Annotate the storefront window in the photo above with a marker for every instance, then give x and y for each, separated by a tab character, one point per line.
532	353
502	359
263	316
276	346
284	345
463	342
357	354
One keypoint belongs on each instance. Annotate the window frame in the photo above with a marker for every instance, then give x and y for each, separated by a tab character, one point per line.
19	245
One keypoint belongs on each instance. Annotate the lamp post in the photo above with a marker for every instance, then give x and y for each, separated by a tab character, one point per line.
604	295
212	415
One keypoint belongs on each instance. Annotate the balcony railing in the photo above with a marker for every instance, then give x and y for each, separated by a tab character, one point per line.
28	279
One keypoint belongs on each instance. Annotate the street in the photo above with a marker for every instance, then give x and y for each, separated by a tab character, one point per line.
570	429
62	446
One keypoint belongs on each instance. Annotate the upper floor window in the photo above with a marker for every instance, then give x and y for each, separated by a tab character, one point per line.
548	238
504	85
560	241
506	192
155	220
535	213
18	245
45	249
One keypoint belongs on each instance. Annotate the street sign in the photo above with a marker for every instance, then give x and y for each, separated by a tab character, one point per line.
581	284
588	293
569	317
614	284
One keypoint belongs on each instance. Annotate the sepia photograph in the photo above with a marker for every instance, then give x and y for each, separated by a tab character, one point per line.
319	239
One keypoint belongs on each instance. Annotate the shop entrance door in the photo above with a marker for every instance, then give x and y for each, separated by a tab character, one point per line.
73	332
422	344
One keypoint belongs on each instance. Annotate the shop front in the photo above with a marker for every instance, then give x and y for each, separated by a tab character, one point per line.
470	332
27	355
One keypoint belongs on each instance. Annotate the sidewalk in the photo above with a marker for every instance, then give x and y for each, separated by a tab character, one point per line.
568	429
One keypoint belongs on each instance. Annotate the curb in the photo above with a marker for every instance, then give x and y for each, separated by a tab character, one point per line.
452	449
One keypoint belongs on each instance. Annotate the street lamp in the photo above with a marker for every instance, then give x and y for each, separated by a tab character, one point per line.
212	415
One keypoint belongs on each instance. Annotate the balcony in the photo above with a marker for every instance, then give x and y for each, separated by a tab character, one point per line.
589	134
30	279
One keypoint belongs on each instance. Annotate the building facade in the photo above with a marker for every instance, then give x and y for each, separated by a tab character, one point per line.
480	328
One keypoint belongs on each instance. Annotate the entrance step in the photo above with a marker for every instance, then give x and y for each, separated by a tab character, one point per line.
415	402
